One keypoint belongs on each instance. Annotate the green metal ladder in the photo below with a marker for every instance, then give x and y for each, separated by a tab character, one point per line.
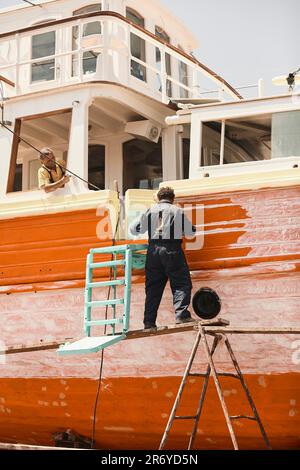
128	257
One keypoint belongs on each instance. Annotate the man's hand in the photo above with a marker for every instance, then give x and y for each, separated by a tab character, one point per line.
49	188
66	179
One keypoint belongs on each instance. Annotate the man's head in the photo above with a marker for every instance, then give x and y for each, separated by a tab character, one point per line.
47	157
166	193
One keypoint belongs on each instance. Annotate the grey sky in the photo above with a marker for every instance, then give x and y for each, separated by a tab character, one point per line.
242	40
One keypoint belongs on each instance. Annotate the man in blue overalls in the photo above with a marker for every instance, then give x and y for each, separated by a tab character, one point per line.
166	225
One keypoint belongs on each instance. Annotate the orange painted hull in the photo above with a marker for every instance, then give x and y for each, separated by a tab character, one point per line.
250	256
240	229
132	412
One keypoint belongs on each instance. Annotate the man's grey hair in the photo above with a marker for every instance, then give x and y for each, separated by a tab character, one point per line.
45	151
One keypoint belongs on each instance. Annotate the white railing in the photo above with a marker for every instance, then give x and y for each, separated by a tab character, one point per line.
113	61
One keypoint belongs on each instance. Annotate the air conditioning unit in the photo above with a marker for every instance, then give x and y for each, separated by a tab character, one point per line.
146	130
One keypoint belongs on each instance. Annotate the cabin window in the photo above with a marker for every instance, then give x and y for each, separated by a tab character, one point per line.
142	164
160	33
137	46
44	130
90	35
183	77
96	166
43	45
245	140
286	134
88	9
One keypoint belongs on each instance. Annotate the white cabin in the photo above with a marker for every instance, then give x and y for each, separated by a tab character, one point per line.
95	81
100	83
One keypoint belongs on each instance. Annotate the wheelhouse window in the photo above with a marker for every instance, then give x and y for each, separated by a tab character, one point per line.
91	32
137	46
183	77
43	45
238	140
88	9
286	134
45	130
160	33
142	164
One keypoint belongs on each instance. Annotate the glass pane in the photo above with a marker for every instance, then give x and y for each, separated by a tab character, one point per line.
75	34
43	45
168	71
211	141
137	46
160	33
135	17
138	50
75	70
246	140
89	60
91	28
286	134
183	78
96	166
88	9
138	71
43	71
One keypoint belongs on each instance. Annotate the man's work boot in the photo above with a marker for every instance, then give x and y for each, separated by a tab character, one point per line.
184	320
150	328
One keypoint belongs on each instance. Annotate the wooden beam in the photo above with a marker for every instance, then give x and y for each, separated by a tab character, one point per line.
7	81
254	331
14	154
166	330
41	346
8	446
211	327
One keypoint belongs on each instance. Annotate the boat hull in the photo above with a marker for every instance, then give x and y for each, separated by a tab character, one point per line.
250	257
132	412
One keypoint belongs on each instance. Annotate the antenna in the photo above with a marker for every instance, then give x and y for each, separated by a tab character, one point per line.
289	80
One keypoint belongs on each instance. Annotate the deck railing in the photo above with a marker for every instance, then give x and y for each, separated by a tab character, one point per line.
102	46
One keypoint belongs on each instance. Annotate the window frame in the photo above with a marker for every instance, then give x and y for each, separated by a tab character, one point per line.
80	11
75	13
16	142
143	50
163	36
39	59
